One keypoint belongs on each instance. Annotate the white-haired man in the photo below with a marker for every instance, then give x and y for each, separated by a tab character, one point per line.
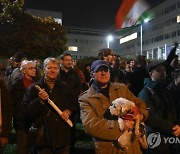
17	91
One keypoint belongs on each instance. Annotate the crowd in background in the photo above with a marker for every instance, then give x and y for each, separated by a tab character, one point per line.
65	77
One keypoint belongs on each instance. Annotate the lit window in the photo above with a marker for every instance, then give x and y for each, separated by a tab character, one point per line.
178	19
58	20
72	48
128	38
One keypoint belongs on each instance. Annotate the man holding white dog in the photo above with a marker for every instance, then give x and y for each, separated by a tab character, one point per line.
94	106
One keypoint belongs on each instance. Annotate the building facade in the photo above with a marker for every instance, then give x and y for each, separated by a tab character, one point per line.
157	37
83	42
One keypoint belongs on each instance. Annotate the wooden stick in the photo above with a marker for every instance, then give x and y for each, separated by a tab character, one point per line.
55	107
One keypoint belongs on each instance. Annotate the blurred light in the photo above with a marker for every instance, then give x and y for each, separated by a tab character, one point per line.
110	38
146	20
58	20
72	48
128	38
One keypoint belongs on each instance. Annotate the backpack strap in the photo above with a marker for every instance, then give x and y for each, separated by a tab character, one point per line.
150	91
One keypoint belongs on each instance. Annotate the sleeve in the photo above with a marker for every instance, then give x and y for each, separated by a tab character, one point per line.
171	54
155	121
96	126
31	105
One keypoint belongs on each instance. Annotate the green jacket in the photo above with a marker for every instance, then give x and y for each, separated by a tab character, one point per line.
105	132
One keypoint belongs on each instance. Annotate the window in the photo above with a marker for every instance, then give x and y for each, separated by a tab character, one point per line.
72	48
170	8
178	4
158	38
178	32
174	34
178	19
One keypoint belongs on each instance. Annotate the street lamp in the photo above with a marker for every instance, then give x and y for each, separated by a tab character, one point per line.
109	39
141	27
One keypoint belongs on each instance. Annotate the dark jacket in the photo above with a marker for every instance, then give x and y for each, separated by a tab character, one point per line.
176	93
72	80
52	130
6	110
17	91
136	79
162	114
73	85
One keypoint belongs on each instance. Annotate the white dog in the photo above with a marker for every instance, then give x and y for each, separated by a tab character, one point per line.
127	110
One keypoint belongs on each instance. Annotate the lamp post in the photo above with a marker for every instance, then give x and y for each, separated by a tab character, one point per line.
141	28
109	39
141	38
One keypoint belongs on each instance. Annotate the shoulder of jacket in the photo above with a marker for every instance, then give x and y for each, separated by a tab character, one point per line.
118	85
83	94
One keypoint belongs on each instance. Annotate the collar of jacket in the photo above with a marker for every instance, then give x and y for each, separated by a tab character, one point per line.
18	83
58	82
97	87
154	84
92	92
70	70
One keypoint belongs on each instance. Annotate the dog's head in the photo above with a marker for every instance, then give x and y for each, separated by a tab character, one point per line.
121	106
115	108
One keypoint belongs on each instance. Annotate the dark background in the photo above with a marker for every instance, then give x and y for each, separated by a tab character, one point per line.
99	14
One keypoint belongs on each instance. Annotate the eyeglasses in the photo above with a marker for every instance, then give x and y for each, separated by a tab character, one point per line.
30	68
103	69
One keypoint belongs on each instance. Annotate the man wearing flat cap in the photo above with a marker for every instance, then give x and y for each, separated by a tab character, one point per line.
94	104
162	118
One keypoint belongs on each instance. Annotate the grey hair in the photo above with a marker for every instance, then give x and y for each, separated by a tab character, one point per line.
50	59
26	62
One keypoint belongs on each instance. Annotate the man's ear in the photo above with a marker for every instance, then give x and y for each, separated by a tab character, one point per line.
92	75
150	73
61	61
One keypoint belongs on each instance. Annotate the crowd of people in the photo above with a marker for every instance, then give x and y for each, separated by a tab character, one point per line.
86	95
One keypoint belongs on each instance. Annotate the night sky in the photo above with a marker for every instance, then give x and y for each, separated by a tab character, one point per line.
99	14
